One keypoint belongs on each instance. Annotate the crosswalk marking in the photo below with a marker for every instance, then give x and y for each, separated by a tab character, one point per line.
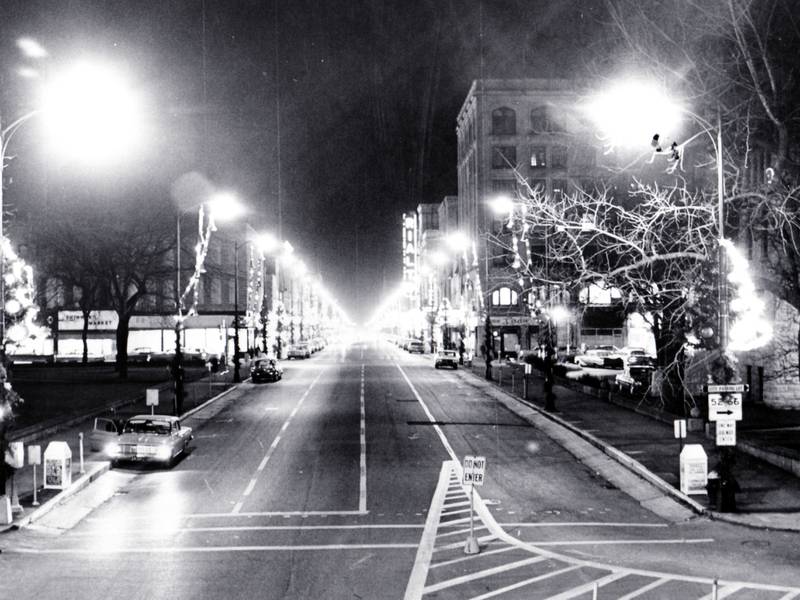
474	574
480	574
643	590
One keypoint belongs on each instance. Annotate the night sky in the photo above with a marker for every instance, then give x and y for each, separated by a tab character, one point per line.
369	91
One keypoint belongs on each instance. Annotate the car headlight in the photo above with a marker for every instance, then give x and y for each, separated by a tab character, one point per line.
112	449
163	452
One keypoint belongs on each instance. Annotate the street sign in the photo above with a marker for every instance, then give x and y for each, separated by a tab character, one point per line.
725	406
34	455
722	388
679	426
152	397
726	432
474	469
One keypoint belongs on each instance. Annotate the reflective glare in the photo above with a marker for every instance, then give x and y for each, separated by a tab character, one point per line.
631	112
225	206
91	115
502	205
31	48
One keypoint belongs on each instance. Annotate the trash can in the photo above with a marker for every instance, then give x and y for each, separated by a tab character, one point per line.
57	466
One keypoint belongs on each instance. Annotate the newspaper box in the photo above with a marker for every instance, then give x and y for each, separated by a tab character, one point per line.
694	469
57	466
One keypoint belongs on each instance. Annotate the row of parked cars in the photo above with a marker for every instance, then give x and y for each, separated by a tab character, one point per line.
636	364
410	345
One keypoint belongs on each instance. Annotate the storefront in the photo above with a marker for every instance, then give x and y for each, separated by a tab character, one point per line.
153	333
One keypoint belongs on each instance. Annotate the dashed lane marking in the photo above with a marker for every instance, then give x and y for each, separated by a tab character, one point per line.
362	488
249	489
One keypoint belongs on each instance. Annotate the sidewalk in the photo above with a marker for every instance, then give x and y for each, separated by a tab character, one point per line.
95	463
769	497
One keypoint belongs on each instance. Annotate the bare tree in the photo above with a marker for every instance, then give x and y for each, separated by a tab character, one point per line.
116	257
735	59
658	248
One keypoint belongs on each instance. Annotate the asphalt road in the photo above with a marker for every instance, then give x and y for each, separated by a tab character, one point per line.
337	482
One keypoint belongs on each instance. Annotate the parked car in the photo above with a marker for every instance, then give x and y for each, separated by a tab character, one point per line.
416	346
595	357
446	358
265	369
139	356
301	350
638	371
618	358
145	438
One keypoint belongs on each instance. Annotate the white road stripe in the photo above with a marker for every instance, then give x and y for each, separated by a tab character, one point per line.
584	524
463	532
650	586
588	587
472	556
190	549
362	490
613	542
480	574
248	490
419	573
723	592
436	427
524	583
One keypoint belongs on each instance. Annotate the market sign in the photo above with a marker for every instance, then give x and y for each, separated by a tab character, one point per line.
511	321
72	320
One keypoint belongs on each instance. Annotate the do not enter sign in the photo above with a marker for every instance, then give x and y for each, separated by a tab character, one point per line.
474	469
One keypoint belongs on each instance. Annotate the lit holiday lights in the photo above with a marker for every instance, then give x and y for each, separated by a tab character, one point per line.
20	308
750	328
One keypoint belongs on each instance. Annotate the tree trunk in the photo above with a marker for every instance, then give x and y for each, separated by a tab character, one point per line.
85	336
123	329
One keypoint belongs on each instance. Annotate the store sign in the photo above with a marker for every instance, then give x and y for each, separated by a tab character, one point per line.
72	320
511	321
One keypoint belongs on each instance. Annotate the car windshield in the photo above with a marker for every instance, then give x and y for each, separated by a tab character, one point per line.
147	426
448	353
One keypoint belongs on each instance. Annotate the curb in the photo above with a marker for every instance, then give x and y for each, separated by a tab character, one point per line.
620	457
94	472
636	467
83	482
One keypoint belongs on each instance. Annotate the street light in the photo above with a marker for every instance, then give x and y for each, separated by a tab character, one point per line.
634	111
89	112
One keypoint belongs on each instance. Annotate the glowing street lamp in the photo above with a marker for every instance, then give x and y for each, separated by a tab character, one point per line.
89	112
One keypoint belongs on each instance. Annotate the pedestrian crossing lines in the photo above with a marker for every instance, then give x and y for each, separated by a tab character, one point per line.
509	568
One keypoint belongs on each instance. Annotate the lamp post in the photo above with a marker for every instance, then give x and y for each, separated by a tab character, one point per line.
630	113
237	378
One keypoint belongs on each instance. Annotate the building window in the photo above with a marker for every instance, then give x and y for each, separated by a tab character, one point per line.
504	297
558	157
504	186
538	157
585	156
539	120
538	184
504	157
559	188
504	121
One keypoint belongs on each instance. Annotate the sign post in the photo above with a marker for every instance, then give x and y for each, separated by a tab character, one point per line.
80	451
474	471
680	432
726	432
152	399
35	458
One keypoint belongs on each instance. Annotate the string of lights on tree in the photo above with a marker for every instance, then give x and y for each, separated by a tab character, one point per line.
205	227
20	308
